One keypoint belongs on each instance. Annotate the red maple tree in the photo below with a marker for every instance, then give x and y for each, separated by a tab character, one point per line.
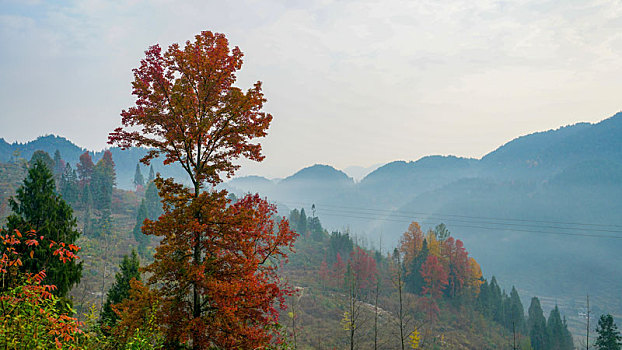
435	277
215	268
364	268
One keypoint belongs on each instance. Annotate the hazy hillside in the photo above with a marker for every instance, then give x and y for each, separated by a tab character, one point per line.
125	160
538	211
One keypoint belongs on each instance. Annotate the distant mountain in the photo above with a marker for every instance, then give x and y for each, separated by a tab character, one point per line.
319	173
48	143
398	181
125	160
544	154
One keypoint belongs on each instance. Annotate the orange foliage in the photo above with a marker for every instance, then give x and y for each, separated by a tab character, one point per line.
411	242
25	291
235	270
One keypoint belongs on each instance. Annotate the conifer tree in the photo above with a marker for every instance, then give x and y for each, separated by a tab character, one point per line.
151	174
139	236
608	334
153	204
537	326
483	299
103	181
516	312
414	281
120	290
138	177
44	157
302	223
317	231
36	206
69	185
496	301
59	168
558	332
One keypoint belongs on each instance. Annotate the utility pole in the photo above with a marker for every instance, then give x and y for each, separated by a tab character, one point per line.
587	342
514	334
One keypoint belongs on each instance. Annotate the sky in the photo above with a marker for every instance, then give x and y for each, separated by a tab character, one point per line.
348	82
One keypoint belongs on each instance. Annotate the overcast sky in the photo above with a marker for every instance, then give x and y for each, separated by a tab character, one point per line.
348	82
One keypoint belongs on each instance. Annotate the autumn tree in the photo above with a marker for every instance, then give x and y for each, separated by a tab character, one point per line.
215	266
338	272
363	269
435	277
85	168
459	266
411	243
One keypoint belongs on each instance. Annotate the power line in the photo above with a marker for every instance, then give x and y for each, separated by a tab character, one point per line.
484	227
480	222
377	214
463	216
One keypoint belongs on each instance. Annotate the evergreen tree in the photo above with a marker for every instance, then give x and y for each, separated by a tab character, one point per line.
36	206
537	326
339	244
151	174
558	332
120	290
103	181
302	223
496	302
413	279
516	312
44	157
483	299
608	334
69	185
59	168
140	237
567	343
138	177
317	231
294	217
152	202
